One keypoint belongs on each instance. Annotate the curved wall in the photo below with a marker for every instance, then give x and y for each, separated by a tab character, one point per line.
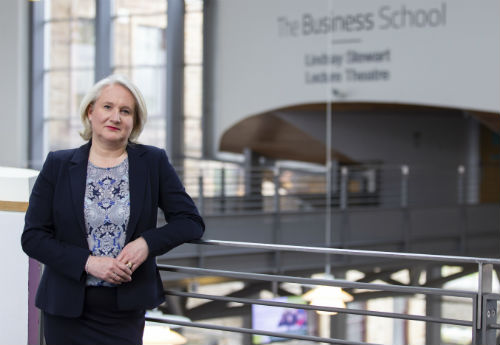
273	54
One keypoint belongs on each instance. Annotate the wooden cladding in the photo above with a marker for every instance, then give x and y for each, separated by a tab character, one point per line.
13	206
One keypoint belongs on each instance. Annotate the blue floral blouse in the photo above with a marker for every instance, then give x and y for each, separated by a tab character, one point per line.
107	212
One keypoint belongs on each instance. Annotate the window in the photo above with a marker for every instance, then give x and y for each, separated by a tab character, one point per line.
193	78
69	69
139	52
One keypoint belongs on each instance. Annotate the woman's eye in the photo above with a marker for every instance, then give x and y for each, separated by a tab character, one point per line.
107	106
126	111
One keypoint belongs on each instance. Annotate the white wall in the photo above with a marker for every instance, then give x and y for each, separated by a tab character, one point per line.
15	187
14	300
392	137
431	143
14	83
267	56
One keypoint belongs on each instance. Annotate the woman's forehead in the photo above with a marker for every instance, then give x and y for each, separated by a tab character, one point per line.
117	93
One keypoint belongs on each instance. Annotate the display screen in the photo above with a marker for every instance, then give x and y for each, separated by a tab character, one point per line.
277	319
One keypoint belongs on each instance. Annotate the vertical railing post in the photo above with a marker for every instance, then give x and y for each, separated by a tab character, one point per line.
344	178
201	198
277	225
462	209
277	185
460	185
405	171
201	209
344	203
328	215
486	309
222	190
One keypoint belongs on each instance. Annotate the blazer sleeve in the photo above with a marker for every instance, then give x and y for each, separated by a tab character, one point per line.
39	238
184	223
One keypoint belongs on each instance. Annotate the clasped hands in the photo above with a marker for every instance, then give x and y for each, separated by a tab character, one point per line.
119	270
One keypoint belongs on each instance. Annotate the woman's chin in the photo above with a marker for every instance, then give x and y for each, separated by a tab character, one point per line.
113	139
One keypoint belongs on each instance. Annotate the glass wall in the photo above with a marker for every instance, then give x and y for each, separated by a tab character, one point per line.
69	68
138	36
193	77
139	52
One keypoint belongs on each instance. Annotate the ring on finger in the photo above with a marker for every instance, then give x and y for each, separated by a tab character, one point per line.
129	264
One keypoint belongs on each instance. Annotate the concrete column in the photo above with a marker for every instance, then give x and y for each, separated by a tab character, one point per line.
433	308
14	87
338	326
472	159
103	39
175	81
253	180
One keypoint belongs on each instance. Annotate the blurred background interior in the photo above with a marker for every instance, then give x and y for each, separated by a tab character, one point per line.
338	123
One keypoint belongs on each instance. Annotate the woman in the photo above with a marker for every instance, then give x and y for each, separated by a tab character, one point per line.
92	221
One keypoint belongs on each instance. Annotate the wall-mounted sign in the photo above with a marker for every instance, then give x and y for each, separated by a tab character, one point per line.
270	54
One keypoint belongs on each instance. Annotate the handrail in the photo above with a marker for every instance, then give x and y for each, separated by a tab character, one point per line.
483	301
254	331
321	308
354	252
311	281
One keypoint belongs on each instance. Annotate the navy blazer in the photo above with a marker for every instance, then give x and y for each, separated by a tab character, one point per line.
55	234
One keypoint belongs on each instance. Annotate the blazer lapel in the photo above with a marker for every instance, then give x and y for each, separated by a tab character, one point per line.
78	176
138	179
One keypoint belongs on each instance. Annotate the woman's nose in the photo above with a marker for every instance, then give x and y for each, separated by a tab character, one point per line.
115	116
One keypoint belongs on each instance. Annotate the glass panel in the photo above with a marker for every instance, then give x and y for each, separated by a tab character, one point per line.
139	40
63	133
149	45
151	82
193	90
139	53
58	44
154	132
82	44
69	60
193	78
84	8
130	7
192	137
193	46
59	9
58	102
65	92
70	43
194	5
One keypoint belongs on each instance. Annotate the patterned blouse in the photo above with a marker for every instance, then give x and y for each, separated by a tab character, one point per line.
107	211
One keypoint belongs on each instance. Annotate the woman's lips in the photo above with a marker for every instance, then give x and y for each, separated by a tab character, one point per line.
113	128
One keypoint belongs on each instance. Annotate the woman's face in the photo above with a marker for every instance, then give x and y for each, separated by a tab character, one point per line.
112	115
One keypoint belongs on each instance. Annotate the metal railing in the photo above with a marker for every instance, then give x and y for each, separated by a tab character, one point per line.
483	323
234	190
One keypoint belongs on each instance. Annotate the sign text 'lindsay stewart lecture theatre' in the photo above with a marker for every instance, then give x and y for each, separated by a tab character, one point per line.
385	18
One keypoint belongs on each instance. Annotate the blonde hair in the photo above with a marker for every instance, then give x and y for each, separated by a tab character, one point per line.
140	110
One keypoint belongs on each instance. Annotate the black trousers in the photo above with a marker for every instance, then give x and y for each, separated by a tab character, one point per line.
101	322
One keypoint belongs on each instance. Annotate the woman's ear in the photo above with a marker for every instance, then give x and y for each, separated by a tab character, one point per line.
90	109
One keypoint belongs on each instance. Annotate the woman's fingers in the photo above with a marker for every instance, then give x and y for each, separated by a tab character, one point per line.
123	271
109	269
134	253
